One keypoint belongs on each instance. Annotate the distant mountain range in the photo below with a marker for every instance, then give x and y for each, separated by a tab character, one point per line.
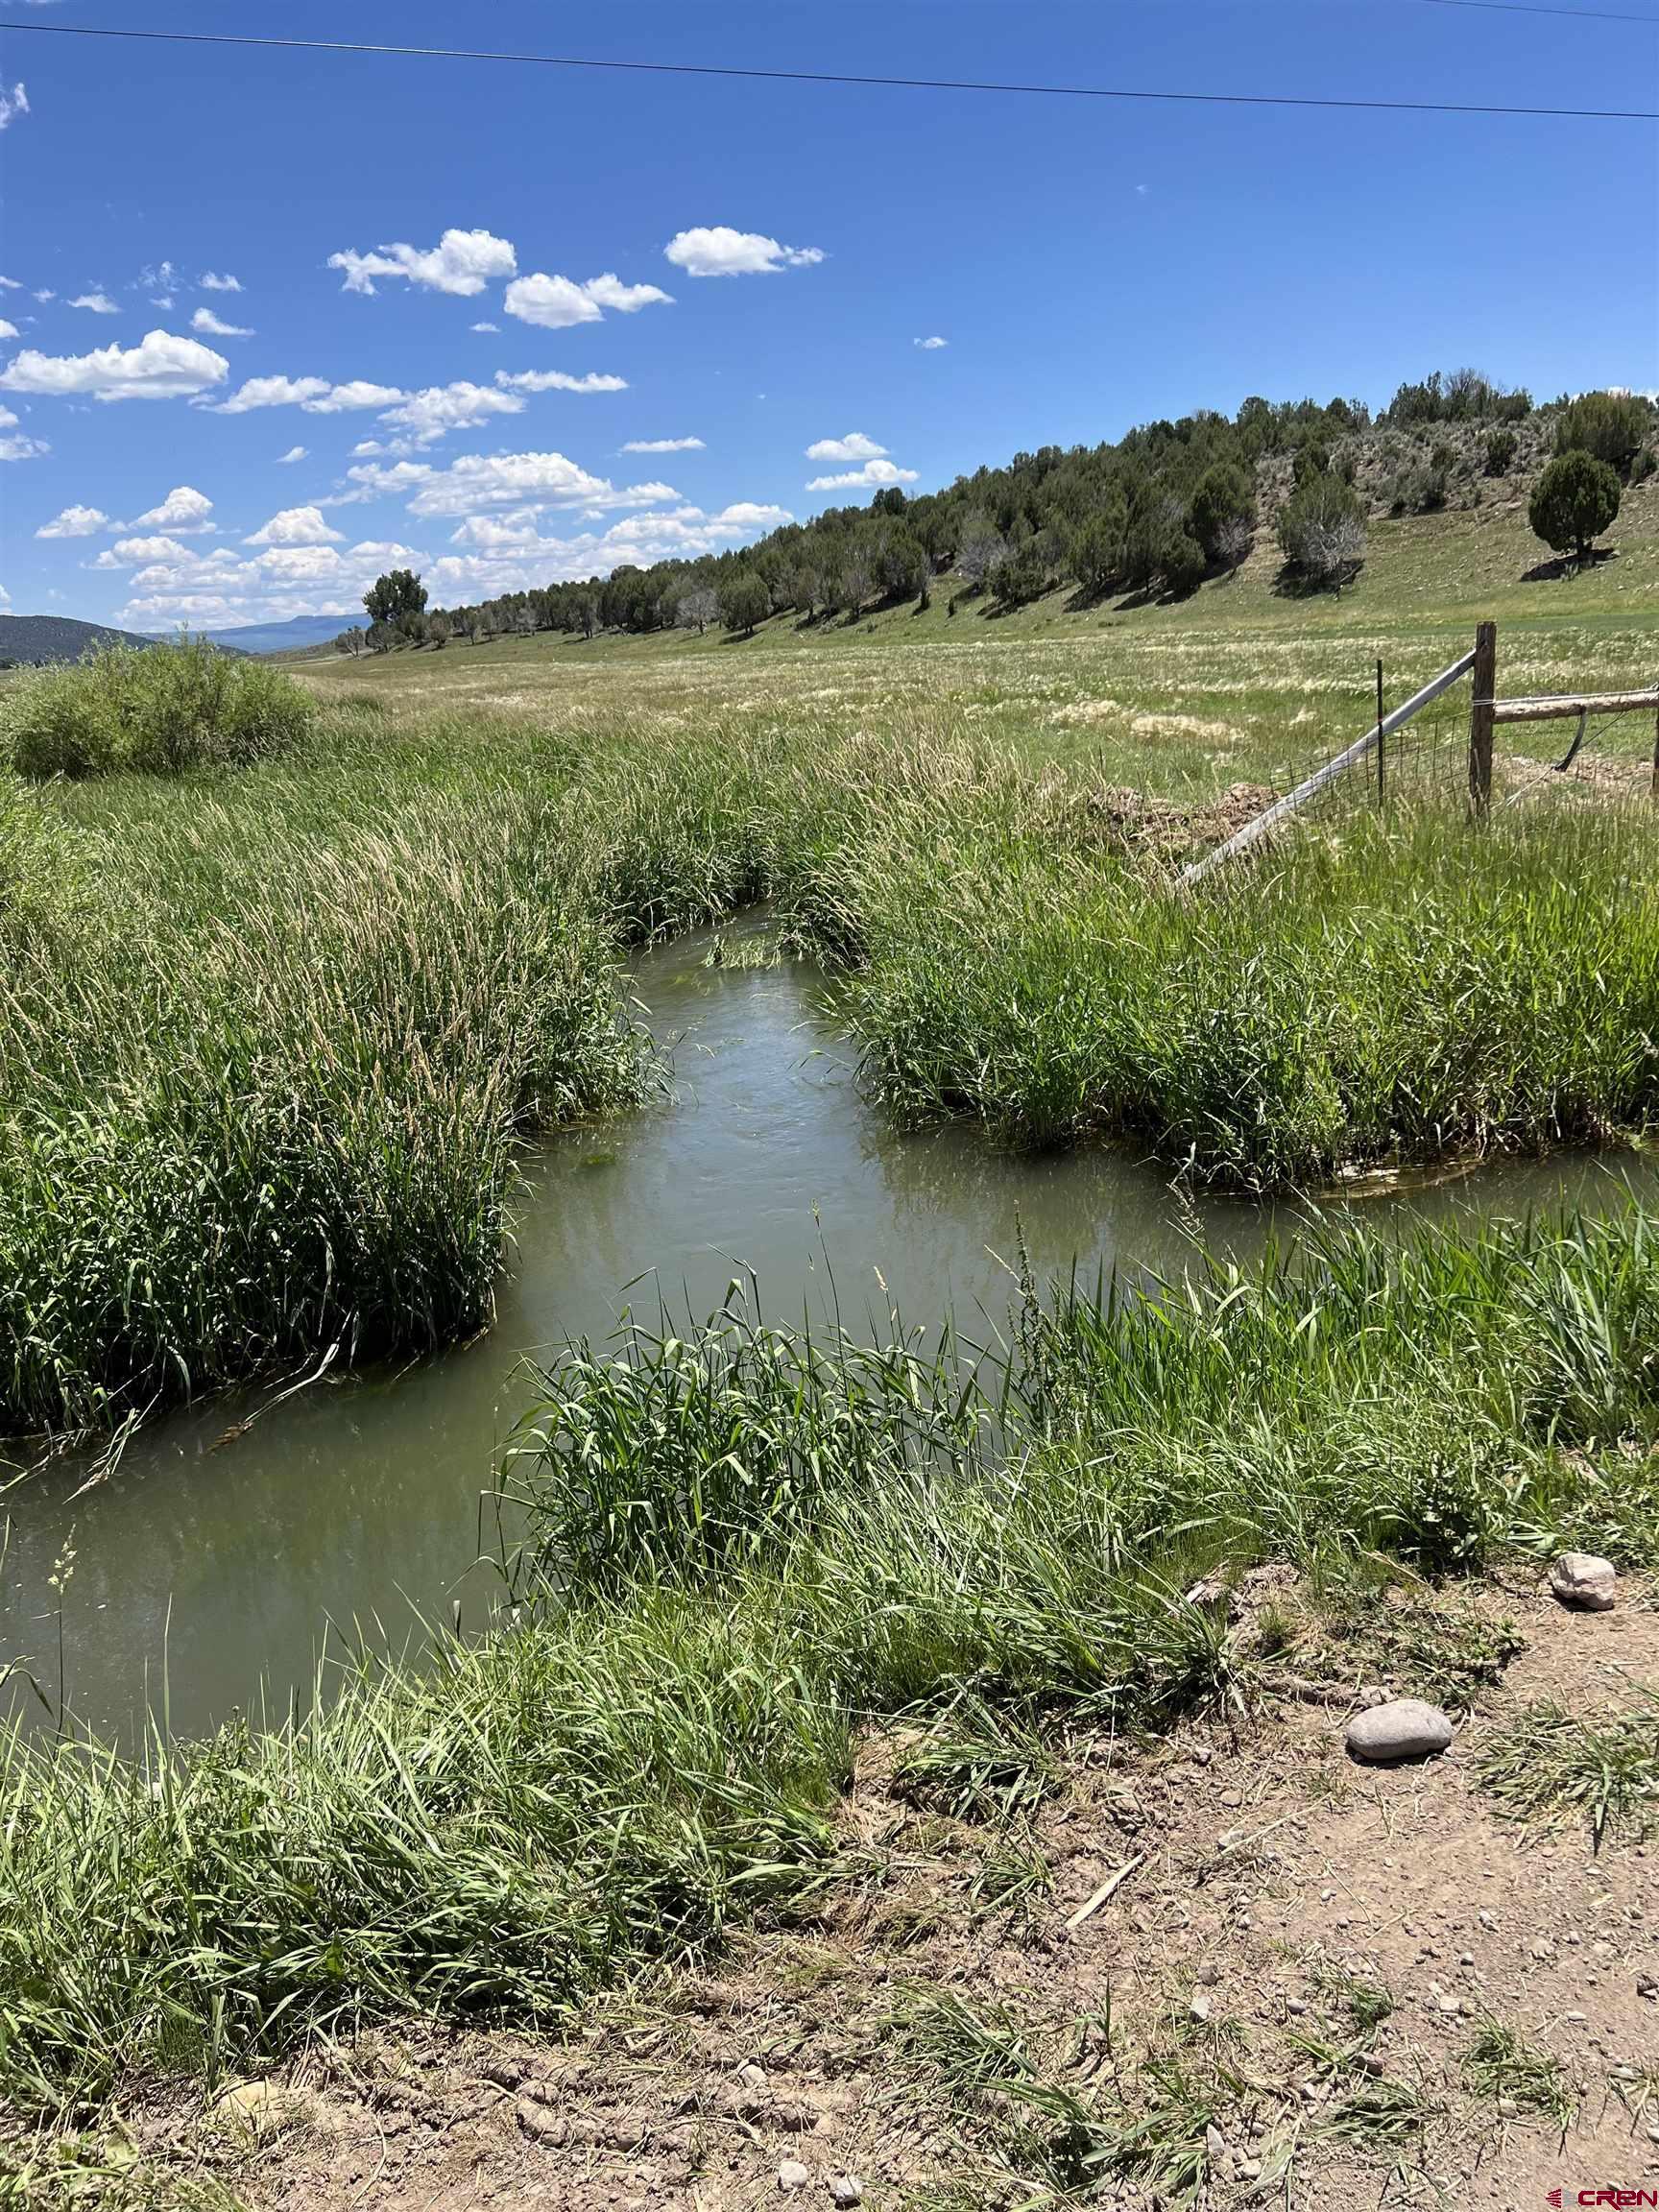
284	636
58	638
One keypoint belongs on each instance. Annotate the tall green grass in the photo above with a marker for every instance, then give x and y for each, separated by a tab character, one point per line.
1403	992
268	1097
741	1549
265	1060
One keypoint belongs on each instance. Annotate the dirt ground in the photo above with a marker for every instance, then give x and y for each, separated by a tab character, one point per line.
1230	1966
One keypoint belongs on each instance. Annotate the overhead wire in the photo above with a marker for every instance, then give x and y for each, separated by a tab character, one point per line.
731	70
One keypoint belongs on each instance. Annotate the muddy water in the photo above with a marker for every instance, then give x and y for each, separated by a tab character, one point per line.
210	1575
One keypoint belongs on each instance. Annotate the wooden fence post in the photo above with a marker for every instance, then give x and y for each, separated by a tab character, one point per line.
1483	689
1657	759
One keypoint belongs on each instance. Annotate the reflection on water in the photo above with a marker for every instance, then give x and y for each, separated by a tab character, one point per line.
219	1566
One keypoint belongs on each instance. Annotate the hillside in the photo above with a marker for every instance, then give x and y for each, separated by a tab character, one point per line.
39	638
1300	487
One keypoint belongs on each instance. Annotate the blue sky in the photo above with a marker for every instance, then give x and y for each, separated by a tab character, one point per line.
248	367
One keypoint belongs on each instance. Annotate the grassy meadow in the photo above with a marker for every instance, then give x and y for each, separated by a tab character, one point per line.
273	1034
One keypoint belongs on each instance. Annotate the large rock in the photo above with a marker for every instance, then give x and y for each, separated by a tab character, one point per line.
1405	1728
1581	1579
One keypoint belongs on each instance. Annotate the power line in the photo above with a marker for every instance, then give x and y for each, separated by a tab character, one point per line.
1527	8
836	77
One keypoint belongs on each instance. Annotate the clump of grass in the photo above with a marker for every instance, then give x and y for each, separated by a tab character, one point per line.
157	709
1446	1649
971	2049
485	1840
1384	2115
977	1763
685	1450
1553	1765
1501	2062
1365	2002
1145	2126
222	1148
1403	992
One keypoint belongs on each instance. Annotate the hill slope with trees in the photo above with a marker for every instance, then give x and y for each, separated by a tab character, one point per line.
1147	517
33	639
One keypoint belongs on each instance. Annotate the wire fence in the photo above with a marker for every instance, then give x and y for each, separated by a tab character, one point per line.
1413	756
1417	761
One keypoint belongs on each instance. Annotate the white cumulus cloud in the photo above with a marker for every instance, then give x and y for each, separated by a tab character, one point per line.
296	526
462	263
314	394
381	480
294	453
432	413
13	104
550	303
558	380
750	514
96	304
480	481
855	447
719	250
210	326
283	581
74	521
873	473
210	282
299	564
7	329
610	290
559	303
135	552
15	446
272	392
506	552
663	445
352	397
930	345
184	510
159	367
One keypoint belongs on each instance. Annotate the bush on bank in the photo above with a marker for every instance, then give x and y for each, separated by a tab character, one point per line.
157	709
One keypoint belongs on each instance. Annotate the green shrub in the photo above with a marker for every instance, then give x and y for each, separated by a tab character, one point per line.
1610	425
744	601
1182	564
1019	579
1500	447
1572	503
157	709
1223	496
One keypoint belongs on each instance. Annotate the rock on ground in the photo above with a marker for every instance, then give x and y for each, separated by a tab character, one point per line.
1582	1580
1405	1728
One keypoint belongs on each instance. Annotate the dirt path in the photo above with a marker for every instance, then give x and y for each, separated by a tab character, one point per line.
1232	1960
